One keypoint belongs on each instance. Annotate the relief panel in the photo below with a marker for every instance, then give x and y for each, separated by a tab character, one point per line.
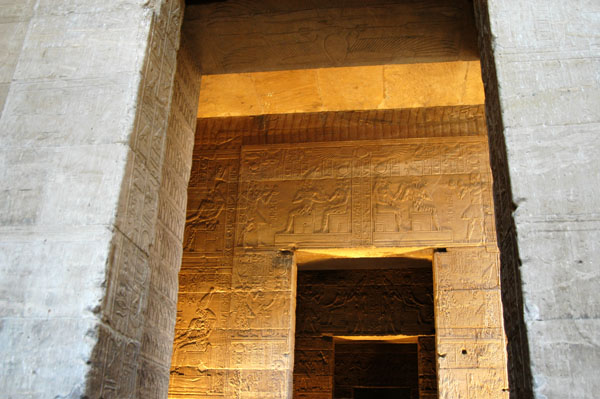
398	193
260	310
211	210
267	271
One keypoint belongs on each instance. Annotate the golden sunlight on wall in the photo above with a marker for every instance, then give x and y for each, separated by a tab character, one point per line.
342	89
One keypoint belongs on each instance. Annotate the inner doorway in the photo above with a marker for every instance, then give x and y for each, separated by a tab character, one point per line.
365	328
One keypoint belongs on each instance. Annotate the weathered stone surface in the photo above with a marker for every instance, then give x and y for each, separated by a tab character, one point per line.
542	93
77	172
365	302
470	344
245	37
237	289
398	195
226	134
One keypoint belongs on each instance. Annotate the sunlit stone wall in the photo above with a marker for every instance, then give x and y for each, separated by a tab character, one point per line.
234	330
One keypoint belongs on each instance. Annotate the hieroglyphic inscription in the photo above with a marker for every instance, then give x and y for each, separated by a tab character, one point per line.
469	327
212	201
397	193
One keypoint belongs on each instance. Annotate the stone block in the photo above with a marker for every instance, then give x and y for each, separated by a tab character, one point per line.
201	383
46	278
258	384
560	273
127	288
473	384
16	11
352	88
275	93
532	103
86	45
201	350
468	309
269	271
467	269
261	309
433	84
202	281
564	356
454	354
545	28
52	356
203	312
152	379
13	34
260	349
82	188
560	187
69	112
114	365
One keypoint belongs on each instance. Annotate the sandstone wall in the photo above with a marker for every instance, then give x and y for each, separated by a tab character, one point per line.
540	63
248	204
84	141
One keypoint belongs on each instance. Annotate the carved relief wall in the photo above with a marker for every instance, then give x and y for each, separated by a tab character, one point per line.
412	192
250	206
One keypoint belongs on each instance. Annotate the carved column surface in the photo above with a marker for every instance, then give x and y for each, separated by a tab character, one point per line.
470	342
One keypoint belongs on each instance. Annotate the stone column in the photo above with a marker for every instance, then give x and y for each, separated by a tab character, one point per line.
540	62
84	130
470	344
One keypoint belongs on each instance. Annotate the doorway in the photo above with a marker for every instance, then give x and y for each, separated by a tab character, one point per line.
359	322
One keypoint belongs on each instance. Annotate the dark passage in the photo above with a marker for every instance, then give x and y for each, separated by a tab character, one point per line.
381	393
366	299
376	370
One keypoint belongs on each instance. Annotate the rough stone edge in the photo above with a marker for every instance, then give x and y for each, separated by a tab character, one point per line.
519	364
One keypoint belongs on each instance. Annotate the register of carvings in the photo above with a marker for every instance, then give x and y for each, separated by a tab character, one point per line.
249	203
394	193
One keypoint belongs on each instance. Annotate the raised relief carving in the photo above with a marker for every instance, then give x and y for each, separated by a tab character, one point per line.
409	192
212	201
196	334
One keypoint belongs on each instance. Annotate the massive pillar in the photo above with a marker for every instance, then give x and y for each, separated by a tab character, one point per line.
540	63
87	178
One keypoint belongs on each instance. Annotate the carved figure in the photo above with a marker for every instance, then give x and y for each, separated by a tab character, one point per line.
200	327
388	202
306	199
337	204
206	217
472	214
421	202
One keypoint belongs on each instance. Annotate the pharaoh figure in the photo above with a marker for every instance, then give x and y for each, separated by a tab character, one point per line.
206	215
387	201
337	204
422	202
306	199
